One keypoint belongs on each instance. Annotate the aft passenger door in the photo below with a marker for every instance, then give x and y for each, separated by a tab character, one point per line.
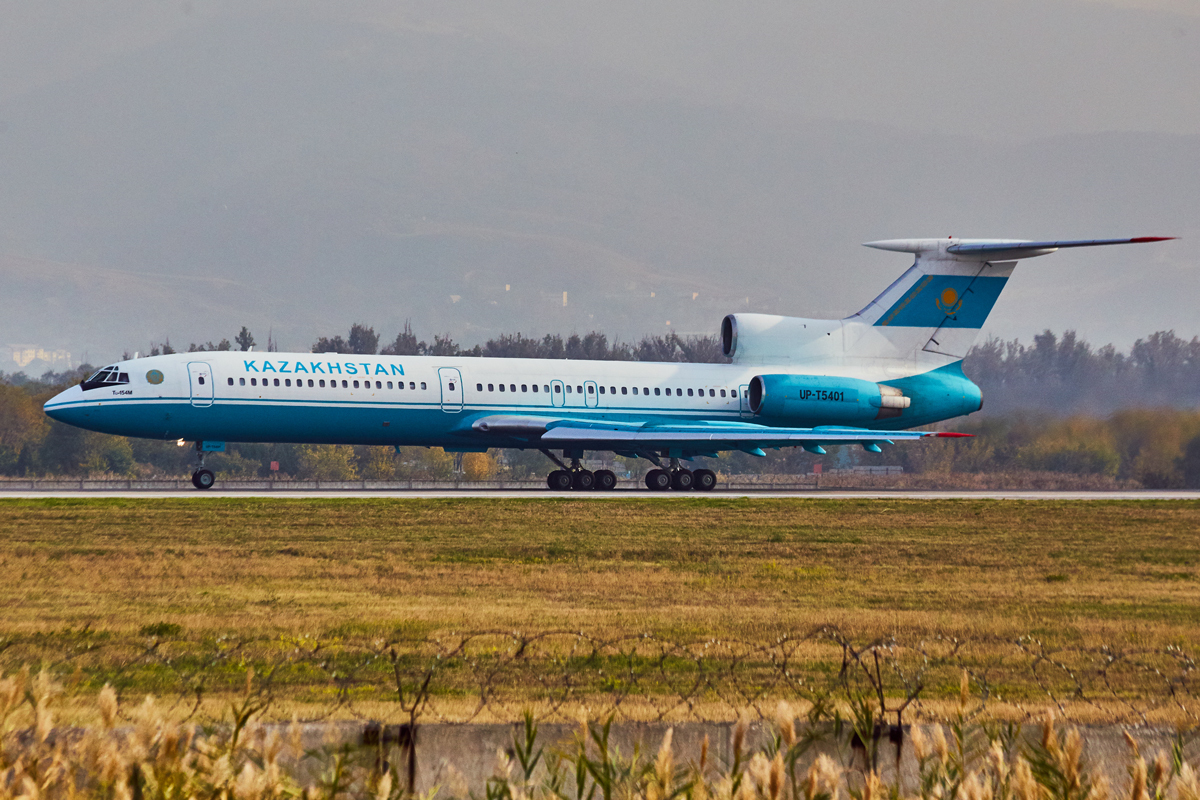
452	391
201	381
591	399
557	397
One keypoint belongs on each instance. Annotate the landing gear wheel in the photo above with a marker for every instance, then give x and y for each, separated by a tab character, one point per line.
658	480
203	479
703	480
606	480
559	480
583	480
681	480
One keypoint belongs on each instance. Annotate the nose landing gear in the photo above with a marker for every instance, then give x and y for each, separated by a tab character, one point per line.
202	478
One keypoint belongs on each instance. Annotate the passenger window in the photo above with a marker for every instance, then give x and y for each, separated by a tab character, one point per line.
346	385
231	381
356	384
201	379
689	392
254	382
502	387
612	390
579	390
479	387
668	390
413	385
422	384
722	393
646	390
712	392
389	384
321	383
310	382
591	389
557	389
546	388
524	387
287	381
241	381
679	393
276	381
379	385
568	389
452	386
535	388
491	387
635	390
624	390
656	391
512	387
601	390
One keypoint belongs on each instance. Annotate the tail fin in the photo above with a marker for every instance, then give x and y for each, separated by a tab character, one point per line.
934	311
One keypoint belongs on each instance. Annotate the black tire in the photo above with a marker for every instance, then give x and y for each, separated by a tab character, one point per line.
704	480
606	480
583	480
658	480
559	480
204	479
681	480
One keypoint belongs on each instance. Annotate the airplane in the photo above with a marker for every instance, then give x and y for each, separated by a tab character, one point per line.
867	380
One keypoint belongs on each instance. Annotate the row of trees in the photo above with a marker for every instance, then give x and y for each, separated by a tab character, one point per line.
1057	405
363	340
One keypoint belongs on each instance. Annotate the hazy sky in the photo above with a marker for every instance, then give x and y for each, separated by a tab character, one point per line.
179	169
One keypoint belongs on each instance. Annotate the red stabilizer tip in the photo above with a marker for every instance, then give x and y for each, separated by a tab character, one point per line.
1141	239
953	435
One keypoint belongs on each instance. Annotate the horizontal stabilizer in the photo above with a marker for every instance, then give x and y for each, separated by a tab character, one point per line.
998	249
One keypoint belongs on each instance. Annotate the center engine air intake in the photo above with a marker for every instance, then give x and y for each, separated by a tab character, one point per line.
804	400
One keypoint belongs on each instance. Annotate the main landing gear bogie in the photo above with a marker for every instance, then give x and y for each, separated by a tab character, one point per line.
562	480
681	480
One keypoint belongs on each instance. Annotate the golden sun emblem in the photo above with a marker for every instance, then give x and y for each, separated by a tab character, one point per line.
949	302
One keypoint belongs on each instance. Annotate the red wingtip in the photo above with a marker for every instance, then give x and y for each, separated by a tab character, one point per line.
952	435
1142	239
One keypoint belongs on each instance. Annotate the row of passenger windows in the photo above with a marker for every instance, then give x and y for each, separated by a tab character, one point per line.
591	389
332	384
512	387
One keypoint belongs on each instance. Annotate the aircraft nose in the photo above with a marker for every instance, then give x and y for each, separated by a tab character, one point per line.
62	406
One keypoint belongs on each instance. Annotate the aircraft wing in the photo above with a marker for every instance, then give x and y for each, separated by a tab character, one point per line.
549	432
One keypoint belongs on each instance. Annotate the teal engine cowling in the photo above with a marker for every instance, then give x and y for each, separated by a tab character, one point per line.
809	400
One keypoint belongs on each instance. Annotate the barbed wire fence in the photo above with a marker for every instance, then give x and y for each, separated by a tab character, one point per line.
488	676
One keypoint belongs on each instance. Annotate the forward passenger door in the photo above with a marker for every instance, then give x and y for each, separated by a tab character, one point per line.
201	382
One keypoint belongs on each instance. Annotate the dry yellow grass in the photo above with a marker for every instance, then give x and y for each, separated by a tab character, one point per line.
1074	574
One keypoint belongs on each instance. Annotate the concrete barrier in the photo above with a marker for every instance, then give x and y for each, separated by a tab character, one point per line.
129	485
471	749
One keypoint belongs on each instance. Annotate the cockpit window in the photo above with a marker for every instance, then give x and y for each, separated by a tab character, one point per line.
106	376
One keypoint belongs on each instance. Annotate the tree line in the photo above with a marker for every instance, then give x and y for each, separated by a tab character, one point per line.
1057	405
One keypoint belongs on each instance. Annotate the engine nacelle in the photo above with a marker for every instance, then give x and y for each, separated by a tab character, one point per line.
768	338
808	400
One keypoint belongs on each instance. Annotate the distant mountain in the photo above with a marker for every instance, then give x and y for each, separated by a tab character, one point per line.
296	173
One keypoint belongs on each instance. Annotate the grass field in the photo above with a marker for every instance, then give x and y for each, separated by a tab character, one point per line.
1072	574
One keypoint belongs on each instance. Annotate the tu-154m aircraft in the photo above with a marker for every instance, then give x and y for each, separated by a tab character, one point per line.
792	382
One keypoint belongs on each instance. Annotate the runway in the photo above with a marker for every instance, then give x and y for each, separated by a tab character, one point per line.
618	494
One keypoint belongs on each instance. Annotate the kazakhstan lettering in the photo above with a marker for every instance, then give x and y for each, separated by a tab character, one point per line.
322	367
